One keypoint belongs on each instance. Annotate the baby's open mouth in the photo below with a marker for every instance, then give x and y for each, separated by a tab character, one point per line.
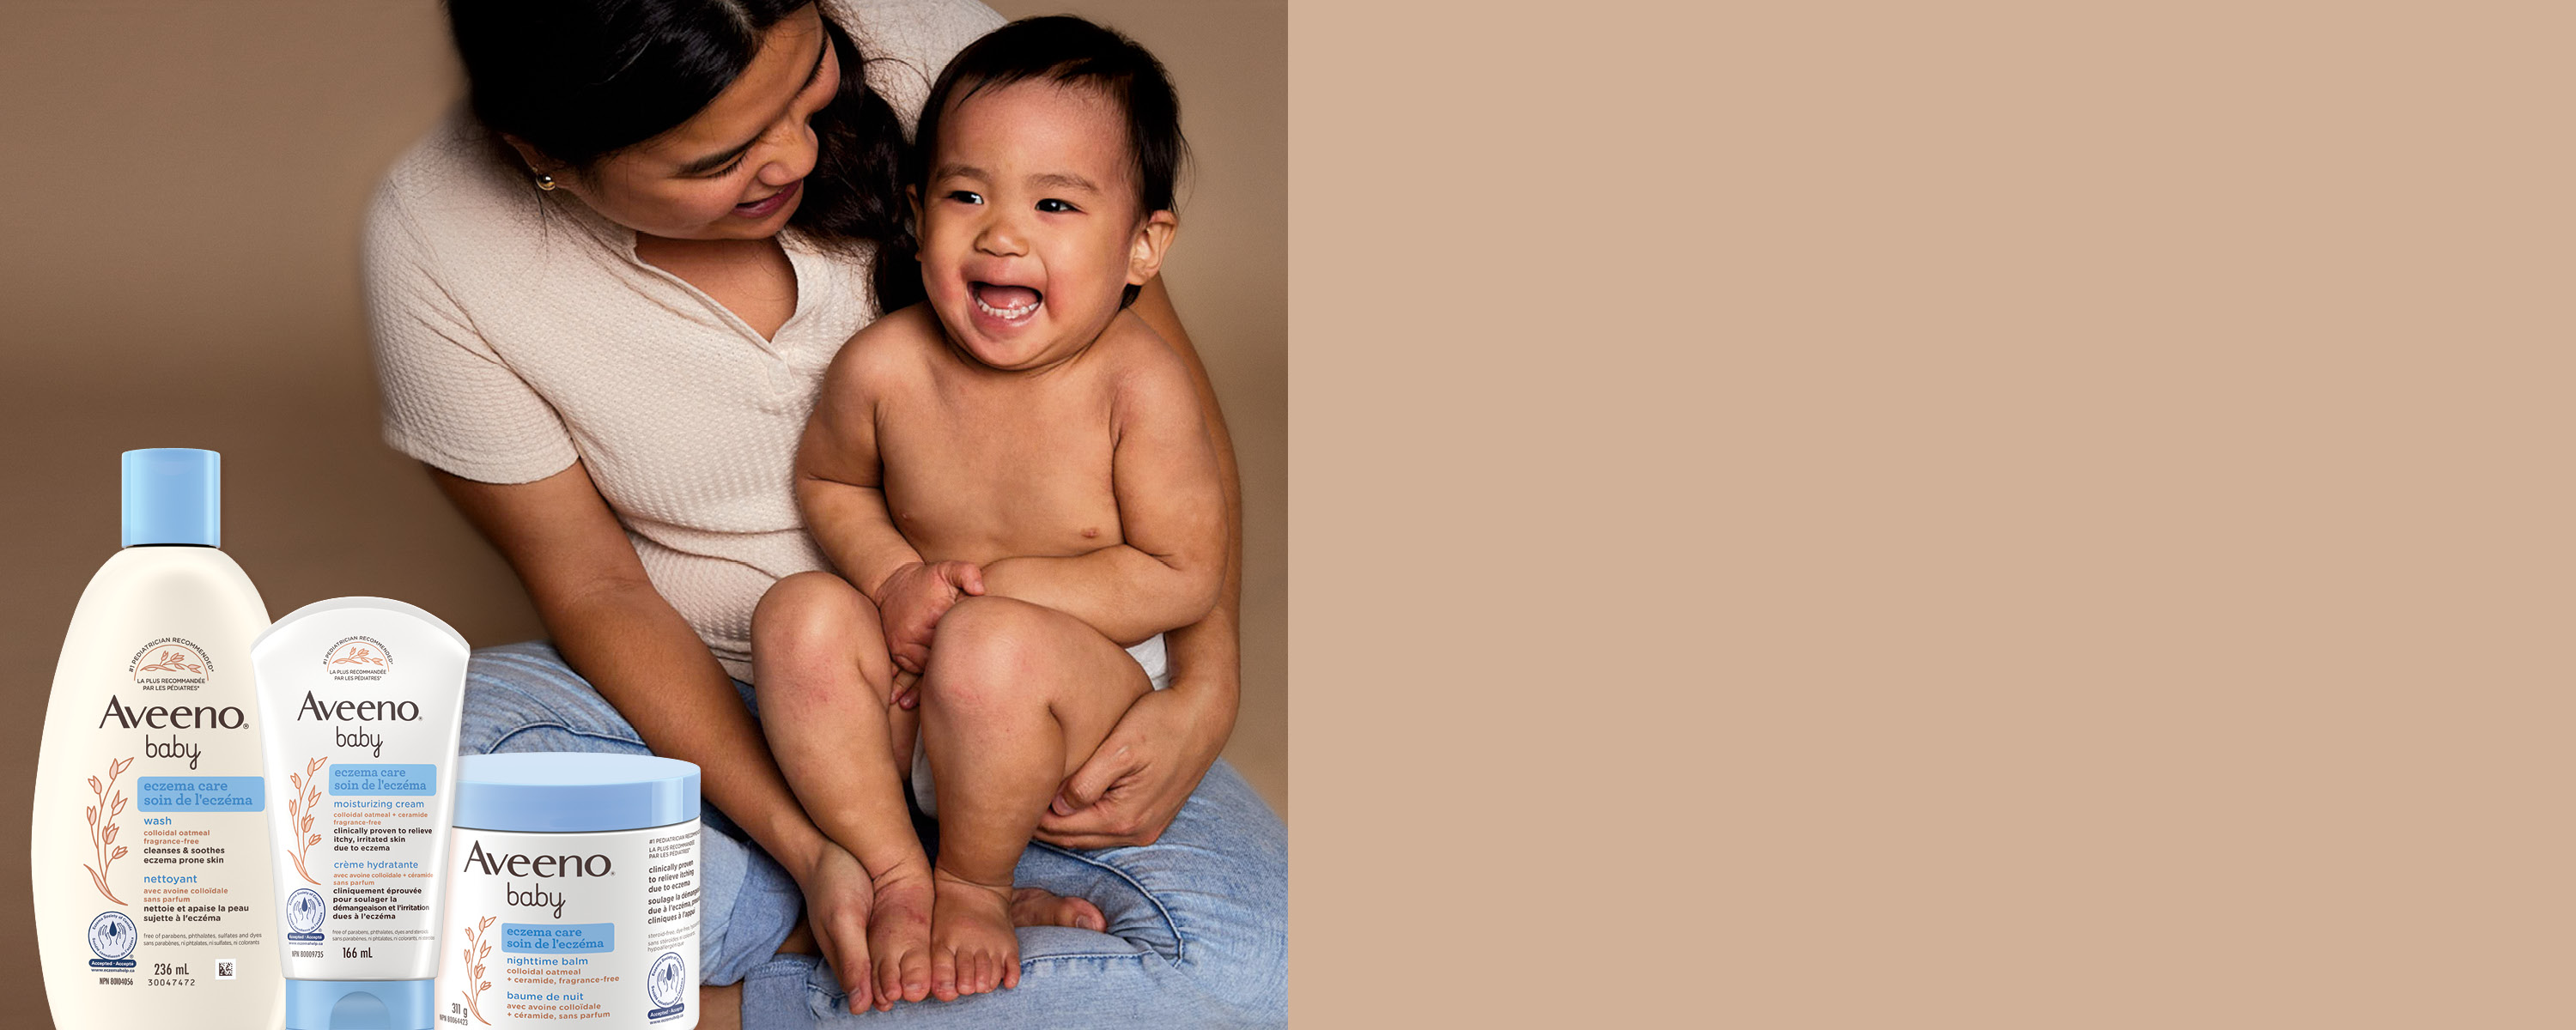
1008	303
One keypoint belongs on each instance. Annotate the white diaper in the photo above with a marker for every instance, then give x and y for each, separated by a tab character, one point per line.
1150	654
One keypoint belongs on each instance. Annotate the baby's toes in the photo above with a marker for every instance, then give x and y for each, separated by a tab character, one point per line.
889	985
970	971
943	972
916	974
1031	906
967	971
861	964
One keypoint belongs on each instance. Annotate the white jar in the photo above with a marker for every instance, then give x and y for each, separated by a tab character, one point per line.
572	893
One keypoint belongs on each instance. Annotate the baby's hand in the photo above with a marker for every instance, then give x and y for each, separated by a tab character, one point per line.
914	598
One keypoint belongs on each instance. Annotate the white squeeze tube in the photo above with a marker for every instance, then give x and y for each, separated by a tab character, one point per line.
360	697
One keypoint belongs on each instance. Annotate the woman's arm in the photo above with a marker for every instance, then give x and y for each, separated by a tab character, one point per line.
620	634
1132	786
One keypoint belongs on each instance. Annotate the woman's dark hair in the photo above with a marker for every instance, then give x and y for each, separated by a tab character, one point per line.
1068	51
580	80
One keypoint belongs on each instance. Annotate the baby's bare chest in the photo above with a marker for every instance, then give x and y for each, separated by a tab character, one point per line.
977	475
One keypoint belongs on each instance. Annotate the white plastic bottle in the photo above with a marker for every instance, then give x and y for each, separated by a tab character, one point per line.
149	847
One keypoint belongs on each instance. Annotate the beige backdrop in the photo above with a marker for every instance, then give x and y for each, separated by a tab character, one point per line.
2004	515
183	184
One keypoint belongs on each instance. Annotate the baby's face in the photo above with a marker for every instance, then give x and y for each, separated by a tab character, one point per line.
1030	227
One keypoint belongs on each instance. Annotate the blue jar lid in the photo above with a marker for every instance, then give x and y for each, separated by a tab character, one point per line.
573	792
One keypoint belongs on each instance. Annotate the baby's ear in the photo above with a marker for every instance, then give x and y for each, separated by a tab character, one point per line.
1153	240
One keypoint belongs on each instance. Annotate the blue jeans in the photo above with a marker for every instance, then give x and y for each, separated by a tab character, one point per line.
1198	920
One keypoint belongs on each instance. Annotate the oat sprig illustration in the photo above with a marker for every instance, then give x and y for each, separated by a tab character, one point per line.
359	656
299	813
478	945
173	660
102	824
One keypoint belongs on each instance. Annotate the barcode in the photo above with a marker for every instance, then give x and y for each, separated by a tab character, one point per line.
223	969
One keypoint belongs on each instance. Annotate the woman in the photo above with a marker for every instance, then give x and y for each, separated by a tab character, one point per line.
600	305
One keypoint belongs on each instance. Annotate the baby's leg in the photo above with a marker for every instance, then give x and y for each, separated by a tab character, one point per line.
821	672
1016	698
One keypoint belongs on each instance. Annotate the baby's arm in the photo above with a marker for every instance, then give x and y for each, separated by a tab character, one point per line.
1171	514
840	492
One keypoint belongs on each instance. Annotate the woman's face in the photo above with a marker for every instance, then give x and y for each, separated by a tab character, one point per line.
736	170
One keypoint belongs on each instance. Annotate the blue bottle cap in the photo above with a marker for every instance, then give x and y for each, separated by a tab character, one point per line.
173	495
573	792
361	1004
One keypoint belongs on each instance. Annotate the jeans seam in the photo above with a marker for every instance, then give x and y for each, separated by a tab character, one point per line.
1138	956
525	727
1180	941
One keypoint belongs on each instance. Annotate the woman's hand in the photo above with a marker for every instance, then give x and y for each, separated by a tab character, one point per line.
1130	789
909	604
837	898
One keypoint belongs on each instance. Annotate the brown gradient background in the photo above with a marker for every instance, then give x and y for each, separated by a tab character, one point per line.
180	191
1967	515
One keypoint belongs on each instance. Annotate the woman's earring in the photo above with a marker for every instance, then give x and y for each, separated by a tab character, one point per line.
545	182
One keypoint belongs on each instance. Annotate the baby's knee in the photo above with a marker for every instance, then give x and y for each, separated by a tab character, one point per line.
813	626
810	609
986	654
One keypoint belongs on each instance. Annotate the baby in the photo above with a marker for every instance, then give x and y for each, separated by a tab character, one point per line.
1016	485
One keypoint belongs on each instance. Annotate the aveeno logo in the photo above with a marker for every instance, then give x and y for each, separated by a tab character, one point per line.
357	711
167	717
479	860
357	738
537	866
172	717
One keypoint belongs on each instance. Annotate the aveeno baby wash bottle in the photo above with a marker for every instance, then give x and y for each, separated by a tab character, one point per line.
149	850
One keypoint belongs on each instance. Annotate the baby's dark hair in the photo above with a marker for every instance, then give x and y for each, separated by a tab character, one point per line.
1068	51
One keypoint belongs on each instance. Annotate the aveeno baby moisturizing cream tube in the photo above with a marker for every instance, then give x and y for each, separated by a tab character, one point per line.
148	851
572	893
361	696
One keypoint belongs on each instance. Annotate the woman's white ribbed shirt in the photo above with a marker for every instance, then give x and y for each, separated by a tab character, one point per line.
515	332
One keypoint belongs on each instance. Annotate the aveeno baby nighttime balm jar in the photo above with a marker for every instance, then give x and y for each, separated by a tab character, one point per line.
572	893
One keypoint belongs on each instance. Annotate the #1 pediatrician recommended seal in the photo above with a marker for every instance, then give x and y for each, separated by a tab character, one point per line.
572	893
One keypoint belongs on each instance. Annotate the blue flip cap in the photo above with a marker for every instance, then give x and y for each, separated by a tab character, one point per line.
173	495
360	1004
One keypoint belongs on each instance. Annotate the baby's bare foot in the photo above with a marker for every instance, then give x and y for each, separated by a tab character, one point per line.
972	948
1031	906
899	933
